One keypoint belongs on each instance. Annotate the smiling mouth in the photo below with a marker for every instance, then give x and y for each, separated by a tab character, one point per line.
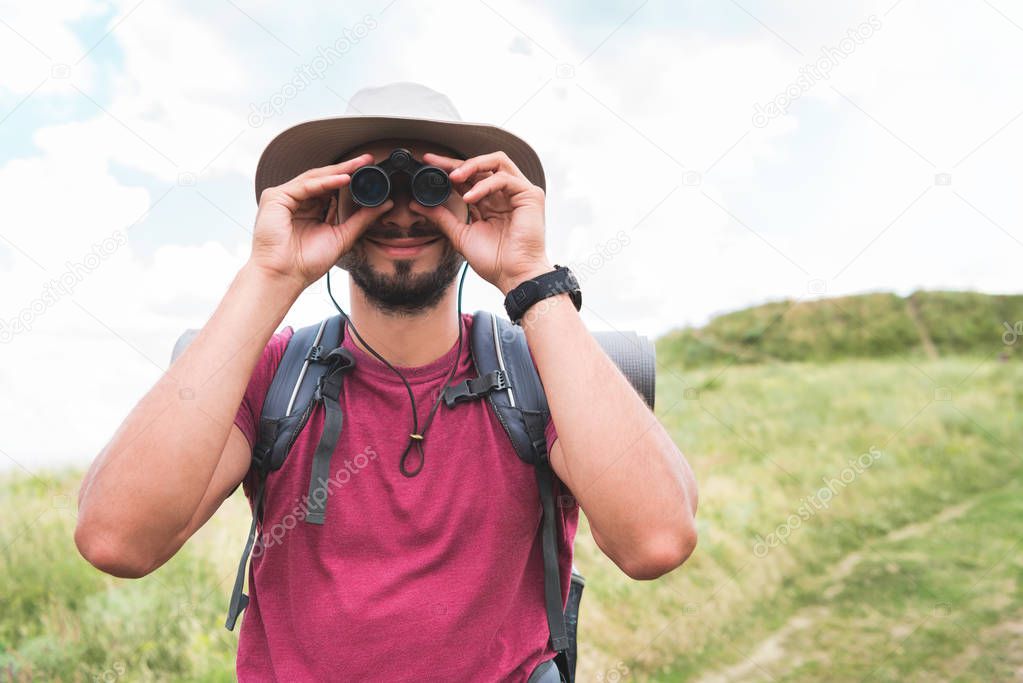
404	243
405	248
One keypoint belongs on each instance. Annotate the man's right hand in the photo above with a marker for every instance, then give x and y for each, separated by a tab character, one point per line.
296	235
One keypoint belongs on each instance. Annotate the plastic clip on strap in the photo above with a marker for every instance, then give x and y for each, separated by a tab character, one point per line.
315	354
472	389
328	390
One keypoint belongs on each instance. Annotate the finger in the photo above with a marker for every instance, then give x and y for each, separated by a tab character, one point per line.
499	182
496	162
315	207
451	225
443	162
449	164
298	190
331	216
356	224
466	185
346	166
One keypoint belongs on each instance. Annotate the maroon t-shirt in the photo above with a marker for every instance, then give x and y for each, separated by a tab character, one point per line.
433	577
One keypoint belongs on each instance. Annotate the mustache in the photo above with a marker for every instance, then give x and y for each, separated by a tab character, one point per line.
381	232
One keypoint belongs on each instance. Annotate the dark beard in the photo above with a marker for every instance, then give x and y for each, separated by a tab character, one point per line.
405	293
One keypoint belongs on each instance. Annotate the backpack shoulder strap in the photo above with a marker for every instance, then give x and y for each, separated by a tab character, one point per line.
508	378
291	391
287	405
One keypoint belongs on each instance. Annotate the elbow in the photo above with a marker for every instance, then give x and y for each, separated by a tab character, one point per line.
110	554
668	539
663	553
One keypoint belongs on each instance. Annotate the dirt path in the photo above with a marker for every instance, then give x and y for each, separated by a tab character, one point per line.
772	648
1011	628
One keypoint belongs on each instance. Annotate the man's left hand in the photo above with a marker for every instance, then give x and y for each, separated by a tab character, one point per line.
504	243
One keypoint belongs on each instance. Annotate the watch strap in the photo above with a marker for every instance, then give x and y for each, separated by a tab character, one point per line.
561	280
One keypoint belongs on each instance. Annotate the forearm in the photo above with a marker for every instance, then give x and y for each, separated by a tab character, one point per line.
146	484
636	488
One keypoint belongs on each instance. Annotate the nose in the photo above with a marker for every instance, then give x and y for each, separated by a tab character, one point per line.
400	220
400	217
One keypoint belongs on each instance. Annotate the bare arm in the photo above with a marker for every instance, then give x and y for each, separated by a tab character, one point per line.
178	454
141	495
636	488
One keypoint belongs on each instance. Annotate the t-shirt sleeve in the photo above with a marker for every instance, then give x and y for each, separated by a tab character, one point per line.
247	417
560	488
551	433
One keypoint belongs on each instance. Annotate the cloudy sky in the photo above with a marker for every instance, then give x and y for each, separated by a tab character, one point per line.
701	156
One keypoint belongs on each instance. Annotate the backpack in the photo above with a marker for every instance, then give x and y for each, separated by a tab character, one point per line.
312	370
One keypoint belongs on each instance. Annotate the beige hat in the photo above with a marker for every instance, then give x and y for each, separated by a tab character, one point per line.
397	110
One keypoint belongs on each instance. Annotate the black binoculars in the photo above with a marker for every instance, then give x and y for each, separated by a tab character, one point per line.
371	185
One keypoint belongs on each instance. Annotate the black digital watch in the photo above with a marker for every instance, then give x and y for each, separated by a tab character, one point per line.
561	280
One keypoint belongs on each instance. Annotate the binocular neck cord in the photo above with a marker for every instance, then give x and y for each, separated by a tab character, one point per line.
417	436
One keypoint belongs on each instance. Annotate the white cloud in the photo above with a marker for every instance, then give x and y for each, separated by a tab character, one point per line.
651	135
36	47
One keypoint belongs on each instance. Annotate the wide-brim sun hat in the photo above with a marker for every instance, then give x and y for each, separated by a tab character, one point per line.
397	110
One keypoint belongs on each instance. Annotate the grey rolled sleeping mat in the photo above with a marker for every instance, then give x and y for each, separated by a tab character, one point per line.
182	343
634	354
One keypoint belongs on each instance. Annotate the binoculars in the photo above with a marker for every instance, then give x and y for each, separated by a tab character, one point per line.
371	185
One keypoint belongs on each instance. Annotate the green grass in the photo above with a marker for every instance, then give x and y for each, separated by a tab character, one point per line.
60	619
764	438
862	326
911	573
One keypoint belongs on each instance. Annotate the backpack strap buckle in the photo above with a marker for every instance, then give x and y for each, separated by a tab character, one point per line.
339	362
472	389
315	354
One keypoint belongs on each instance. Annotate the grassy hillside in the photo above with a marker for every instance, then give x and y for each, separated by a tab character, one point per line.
925	324
910	571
